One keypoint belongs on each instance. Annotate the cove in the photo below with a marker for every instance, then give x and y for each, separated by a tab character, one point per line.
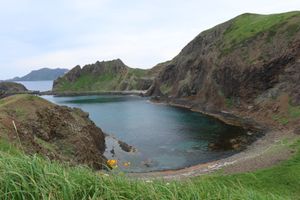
164	137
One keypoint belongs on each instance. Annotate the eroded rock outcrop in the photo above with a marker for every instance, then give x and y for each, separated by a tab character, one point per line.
58	132
12	87
7	88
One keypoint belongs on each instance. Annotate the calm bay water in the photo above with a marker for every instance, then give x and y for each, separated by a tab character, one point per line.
165	137
37	85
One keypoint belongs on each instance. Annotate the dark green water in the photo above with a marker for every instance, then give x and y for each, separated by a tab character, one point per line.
165	137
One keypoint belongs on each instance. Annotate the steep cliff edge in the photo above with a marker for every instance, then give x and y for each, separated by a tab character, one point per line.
249	65
7	88
104	76
57	132
12	87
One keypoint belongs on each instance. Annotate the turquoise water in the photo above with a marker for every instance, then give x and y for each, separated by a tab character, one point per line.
37	85
165	137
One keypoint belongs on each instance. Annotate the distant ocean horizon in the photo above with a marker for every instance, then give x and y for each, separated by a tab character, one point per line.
37	85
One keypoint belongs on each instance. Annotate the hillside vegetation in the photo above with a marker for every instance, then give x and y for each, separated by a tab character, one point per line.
248	26
104	76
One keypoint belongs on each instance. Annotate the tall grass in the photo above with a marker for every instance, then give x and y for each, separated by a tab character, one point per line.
33	177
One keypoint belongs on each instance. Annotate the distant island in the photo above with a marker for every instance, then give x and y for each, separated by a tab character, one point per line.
43	74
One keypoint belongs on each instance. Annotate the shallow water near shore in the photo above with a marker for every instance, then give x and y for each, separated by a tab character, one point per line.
164	137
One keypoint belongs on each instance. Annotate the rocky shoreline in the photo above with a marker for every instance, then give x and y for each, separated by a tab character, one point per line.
261	132
264	141
90	93
224	116
140	93
265	152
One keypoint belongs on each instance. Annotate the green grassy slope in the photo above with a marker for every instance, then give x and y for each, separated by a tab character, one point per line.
247	26
90	83
104	82
108	81
32	177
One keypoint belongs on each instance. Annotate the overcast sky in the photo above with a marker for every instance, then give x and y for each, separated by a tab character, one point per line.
64	33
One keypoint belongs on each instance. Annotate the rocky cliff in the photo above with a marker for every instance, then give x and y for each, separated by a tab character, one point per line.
12	87
250	64
8	88
104	76
60	133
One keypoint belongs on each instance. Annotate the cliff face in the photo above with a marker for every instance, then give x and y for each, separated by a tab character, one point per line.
249	61
7	88
12	87
104	76
57	132
248	65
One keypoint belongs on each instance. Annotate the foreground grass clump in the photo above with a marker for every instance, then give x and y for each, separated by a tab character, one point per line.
32	177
